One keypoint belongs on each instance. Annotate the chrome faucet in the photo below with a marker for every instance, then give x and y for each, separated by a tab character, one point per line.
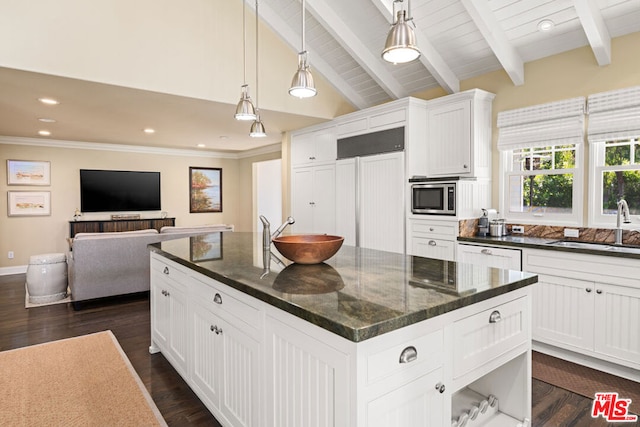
623	214
266	230
279	230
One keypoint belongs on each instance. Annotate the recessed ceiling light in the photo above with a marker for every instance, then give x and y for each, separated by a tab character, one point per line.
49	101
223	137
44	133
200	145
546	25
149	130
45	120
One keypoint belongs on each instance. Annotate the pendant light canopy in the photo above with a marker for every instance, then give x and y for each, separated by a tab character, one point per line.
244	109
401	45
302	85
257	127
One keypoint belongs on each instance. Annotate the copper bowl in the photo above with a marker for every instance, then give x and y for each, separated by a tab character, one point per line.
308	248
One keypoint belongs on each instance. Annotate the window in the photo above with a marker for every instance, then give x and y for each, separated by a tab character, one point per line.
541	163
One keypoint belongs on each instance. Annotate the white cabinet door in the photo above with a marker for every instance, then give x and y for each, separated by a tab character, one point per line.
313	199
382	202
206	354
415	404
302	199
178	337
346	200
617	322
490	256
563	312
314	147
449	139
302	149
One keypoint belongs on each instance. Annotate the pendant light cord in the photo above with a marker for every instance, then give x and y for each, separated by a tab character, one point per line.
257	55
303	26
244	44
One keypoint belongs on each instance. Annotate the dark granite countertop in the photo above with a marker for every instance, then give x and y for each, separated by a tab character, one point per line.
357	294
605	249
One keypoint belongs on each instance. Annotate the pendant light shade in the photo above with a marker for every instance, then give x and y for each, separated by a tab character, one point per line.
257	127
245	109
302	85
401	45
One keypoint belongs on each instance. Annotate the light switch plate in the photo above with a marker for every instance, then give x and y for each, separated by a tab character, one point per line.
571	232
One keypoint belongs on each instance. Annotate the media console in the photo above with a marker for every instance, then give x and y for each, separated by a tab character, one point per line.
103	226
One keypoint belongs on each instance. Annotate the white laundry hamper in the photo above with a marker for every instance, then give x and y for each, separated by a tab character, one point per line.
47	278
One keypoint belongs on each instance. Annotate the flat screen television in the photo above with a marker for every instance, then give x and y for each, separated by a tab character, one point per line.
119	191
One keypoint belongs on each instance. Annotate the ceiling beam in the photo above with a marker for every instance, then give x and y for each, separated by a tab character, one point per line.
283	29
372	64
595	29
429	57
490	29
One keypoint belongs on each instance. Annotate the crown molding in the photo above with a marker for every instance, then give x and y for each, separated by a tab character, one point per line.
80	145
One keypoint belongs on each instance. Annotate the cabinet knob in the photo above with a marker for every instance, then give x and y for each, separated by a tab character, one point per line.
440	387
588	290
408	355
465	166
486	252
217	298
312	158
432	243
312	203
598	291
166	270
431	229
215	329
495	317
163	292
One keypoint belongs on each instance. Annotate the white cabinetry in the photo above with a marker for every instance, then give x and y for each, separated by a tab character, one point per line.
313	203
459	135
431	238
313	146
589	305
169	315
490	256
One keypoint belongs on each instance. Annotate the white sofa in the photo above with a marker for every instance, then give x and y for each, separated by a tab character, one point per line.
117	263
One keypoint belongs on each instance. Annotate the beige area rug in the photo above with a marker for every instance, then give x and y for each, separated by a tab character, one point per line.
28	304
582	380
82	381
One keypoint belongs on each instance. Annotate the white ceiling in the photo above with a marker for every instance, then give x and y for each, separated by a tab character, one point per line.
459	39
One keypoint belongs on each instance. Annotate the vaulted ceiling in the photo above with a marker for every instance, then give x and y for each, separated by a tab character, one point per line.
459	39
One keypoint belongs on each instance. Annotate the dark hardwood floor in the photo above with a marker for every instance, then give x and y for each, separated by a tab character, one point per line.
129	320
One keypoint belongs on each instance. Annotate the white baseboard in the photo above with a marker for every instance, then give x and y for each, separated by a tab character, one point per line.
19	269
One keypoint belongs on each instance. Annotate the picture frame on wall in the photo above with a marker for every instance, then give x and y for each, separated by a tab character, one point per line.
28	203
28	172
205	190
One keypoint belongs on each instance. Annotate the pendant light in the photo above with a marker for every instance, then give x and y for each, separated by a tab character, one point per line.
257	127
302	85
244	109
401	45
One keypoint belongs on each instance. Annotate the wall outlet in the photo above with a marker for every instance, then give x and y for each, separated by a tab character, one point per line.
10	255
571	232
517	229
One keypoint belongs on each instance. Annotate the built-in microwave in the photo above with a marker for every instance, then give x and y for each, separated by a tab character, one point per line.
433	198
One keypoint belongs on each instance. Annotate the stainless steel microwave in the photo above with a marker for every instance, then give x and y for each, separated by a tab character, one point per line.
433	198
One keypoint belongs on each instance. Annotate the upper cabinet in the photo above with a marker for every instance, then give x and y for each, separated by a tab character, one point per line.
458	139
313	146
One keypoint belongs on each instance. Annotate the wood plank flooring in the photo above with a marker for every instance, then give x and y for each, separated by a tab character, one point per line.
129	320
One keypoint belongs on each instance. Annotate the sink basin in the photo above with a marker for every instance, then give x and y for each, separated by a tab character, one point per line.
308	248
629	249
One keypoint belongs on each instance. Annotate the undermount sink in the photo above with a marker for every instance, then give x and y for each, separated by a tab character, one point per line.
596	246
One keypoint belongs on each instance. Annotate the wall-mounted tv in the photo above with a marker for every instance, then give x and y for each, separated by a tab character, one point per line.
119	191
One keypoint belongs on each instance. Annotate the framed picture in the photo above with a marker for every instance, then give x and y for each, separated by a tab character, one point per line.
29	203
27	172
206	247
205	190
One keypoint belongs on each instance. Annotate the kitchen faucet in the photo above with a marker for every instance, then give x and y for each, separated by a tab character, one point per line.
266	230
623	213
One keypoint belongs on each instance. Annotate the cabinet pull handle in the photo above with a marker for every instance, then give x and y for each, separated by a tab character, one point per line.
166	270
215	329
495	317
431	229
486	252
217	299
440	387
588	290
408	355
598	291
163	292
432	243
312	158
465	166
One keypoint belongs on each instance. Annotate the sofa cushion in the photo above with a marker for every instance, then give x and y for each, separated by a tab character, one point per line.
196	229
114	234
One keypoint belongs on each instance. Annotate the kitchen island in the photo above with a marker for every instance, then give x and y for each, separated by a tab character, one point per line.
368	338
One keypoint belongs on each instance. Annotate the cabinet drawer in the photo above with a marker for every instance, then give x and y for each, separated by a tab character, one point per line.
434	248
169	270
480	338
490	256
448	230
217	299
423	353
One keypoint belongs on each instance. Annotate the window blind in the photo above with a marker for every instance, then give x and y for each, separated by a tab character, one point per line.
554	123
614	114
